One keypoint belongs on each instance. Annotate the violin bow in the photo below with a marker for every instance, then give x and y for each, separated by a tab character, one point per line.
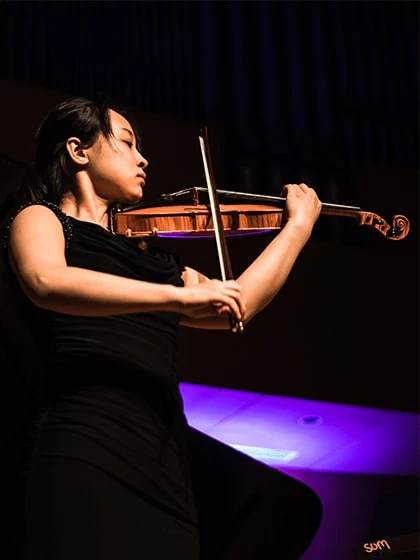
222	250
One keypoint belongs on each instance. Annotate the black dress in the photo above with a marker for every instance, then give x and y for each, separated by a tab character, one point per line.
115	472
108	476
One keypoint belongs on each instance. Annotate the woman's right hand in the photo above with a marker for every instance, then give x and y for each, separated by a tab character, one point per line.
213	298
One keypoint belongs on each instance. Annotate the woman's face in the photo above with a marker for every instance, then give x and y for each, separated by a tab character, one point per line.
115	167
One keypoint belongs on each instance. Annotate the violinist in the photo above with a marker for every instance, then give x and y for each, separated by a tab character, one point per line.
109	473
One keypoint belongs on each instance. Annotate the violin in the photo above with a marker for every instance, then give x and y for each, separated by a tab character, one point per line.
187	213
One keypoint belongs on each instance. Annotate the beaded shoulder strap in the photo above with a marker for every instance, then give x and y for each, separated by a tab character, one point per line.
63	218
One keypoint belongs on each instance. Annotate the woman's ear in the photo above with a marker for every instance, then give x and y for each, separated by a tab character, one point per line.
76	151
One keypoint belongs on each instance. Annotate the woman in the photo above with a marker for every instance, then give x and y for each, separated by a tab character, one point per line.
109	474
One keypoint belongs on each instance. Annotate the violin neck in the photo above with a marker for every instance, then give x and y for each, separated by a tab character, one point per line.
198	193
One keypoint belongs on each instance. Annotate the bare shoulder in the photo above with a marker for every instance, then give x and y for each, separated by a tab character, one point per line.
36	238
35	212
35	219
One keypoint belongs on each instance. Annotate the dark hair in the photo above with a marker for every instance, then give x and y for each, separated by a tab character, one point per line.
51	174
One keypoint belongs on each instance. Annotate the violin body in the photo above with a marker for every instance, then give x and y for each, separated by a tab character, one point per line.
196	220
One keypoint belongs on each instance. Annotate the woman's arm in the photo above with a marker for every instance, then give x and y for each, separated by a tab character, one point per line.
37	256
265	277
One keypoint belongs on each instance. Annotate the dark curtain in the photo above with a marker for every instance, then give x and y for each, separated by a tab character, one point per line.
299	91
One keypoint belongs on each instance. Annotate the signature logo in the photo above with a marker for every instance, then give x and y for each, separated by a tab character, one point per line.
390	547
378	545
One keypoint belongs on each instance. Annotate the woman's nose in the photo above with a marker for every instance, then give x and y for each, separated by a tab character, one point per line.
142	162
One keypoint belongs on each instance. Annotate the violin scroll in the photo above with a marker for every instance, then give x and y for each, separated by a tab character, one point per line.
398	230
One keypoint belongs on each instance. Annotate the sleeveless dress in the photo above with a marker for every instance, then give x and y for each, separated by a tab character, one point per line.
109	473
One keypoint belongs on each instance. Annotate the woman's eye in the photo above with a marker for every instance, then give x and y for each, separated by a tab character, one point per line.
130	144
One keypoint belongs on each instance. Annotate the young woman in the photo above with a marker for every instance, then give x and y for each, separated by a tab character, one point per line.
110	469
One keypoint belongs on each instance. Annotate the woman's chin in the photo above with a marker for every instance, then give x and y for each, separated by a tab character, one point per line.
133	198
136	199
